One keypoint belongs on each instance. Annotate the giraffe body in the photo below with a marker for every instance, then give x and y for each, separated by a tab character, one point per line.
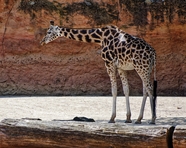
120	52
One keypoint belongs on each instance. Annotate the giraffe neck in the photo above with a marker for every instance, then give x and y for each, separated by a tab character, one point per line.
84	35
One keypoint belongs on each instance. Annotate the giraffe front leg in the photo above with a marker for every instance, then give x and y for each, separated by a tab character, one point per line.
112	74
128	120
123	76
114	94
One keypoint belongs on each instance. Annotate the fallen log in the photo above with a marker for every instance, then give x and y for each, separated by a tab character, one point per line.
19	133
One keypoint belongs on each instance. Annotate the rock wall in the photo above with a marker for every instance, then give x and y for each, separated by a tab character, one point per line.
67	67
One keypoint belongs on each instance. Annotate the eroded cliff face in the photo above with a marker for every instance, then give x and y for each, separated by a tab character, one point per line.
67	67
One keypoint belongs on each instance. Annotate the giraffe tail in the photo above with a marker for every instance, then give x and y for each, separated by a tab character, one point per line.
154	88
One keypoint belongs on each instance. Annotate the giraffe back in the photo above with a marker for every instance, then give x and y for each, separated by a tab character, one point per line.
126	51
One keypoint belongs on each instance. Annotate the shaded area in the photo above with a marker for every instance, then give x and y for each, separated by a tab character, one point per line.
99	13
160	10
171	121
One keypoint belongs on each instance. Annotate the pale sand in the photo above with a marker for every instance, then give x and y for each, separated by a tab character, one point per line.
170	110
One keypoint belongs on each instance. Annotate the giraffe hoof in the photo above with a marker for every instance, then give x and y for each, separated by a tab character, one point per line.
138	122
128	121
111	121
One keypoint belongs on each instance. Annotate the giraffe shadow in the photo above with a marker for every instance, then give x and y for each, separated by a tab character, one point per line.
171	121
159	121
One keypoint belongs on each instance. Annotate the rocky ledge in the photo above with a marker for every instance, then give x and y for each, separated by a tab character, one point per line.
27	132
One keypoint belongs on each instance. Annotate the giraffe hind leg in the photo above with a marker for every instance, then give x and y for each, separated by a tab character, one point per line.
154	97
147	89
138	121
153	103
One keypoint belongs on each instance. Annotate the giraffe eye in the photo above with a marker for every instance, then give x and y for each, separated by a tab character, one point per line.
49	32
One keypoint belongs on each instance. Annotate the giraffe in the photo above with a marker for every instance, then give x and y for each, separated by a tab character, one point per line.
121	52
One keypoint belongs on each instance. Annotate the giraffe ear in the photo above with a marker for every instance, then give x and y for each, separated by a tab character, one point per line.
52	23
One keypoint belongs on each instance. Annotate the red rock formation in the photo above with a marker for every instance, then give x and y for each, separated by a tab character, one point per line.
66	67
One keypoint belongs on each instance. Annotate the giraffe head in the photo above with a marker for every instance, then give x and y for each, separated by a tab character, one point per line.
53	33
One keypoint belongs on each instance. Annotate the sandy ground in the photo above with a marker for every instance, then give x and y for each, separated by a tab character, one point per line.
170	110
